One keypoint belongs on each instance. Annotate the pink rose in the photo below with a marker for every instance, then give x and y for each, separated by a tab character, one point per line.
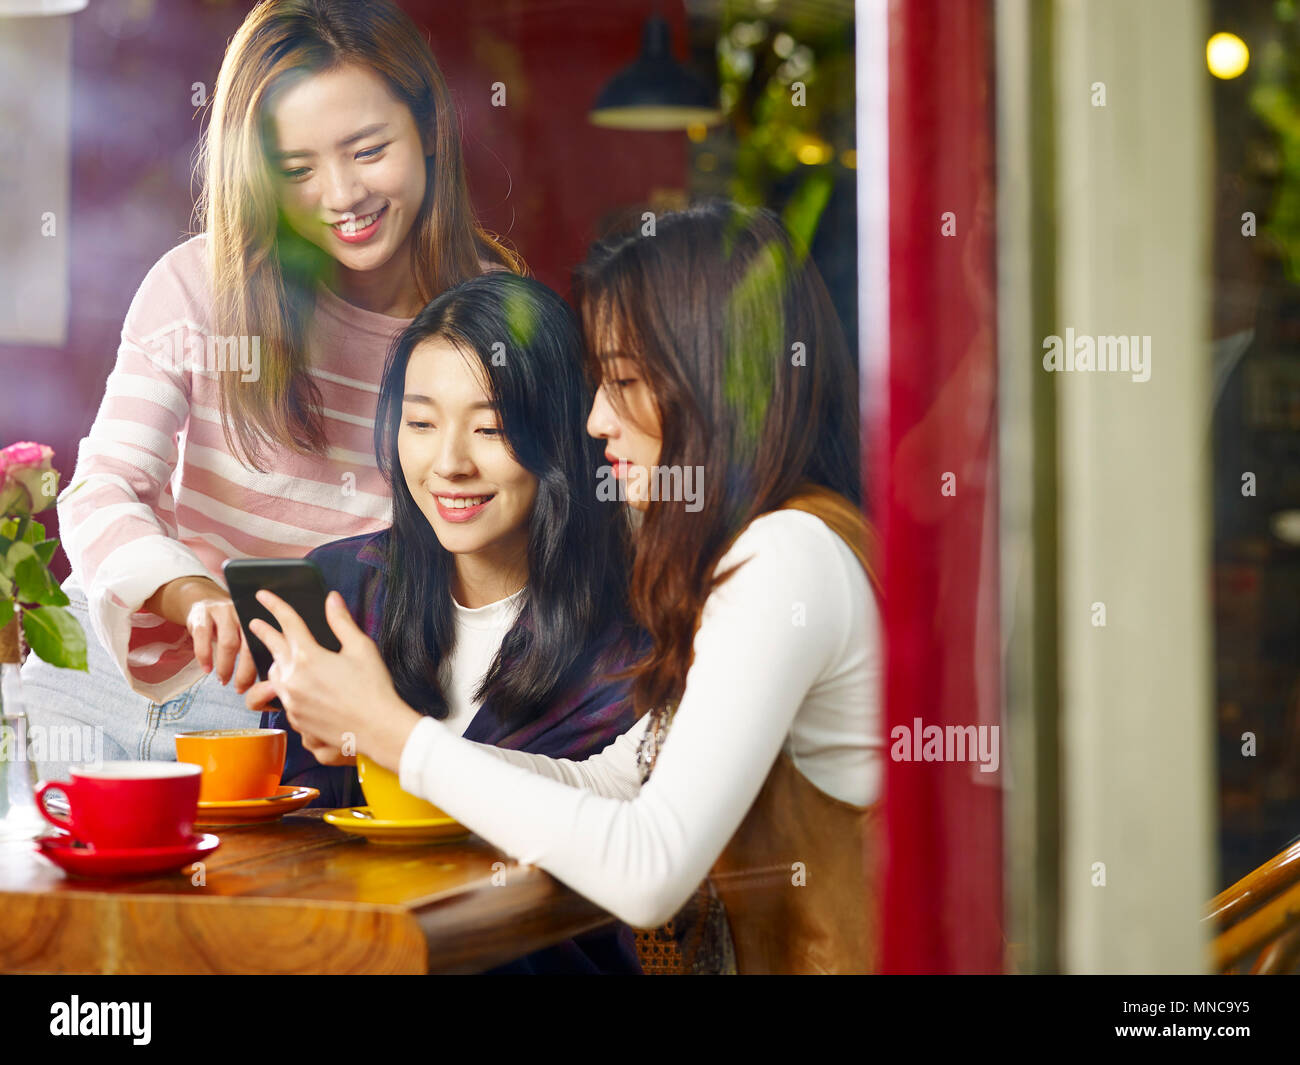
24	453
28	485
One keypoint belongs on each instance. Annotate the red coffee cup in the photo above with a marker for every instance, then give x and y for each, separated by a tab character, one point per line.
128	805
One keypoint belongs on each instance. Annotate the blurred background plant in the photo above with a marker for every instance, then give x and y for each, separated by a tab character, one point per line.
1275	101
786	86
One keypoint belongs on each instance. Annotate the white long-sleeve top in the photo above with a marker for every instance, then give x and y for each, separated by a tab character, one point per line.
480	632
787	657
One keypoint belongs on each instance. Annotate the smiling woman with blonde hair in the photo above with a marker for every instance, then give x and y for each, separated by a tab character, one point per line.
237	419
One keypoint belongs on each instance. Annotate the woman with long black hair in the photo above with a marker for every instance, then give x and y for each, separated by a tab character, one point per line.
498	598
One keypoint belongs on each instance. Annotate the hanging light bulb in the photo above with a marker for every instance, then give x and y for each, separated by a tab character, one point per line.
655	92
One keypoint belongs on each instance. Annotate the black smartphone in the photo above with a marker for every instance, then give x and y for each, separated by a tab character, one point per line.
295	580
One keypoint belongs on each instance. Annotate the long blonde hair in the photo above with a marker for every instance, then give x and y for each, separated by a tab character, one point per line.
263	274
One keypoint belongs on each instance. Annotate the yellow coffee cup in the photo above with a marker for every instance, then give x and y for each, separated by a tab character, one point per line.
385	797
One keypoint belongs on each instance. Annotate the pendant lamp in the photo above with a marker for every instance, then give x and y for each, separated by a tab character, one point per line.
655	92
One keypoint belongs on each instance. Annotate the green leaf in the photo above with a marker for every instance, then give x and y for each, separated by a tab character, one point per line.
16	553
45	550
37	585
804	210
55	637
9	528
35	533
6	612
6	585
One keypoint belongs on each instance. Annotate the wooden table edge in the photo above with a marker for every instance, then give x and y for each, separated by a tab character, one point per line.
446	928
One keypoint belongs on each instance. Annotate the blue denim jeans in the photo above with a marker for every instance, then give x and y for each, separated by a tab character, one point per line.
77	718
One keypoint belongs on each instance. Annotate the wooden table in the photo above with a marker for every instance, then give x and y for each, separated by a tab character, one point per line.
296	896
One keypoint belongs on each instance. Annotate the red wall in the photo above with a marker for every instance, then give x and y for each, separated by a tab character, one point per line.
539	174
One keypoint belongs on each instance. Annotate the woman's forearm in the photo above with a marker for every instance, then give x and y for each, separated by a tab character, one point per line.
174	599
611	773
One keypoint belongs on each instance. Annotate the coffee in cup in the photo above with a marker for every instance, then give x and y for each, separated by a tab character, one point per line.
244	763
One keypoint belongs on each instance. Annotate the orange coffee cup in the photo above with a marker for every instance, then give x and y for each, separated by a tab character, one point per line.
244	763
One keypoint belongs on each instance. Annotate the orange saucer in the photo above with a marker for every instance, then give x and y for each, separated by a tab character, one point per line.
255	811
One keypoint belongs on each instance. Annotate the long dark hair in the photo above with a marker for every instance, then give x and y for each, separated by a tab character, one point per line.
736	336
526	340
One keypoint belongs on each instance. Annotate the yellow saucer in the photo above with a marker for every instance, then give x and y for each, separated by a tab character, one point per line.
254	811
359	821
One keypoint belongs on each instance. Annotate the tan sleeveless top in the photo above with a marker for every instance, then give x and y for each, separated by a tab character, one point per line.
797	880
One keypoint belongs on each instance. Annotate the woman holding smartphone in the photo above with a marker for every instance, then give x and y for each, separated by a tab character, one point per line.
757	761
237	419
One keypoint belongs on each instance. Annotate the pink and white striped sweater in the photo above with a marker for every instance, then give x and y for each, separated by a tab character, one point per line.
157	494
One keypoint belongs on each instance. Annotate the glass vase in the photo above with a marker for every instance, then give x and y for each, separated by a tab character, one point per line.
19	818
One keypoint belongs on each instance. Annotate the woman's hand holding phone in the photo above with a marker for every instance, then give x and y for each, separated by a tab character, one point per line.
206	610
330	697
